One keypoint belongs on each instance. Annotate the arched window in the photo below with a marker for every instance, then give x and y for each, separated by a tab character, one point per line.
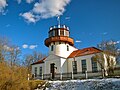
67	48
52	48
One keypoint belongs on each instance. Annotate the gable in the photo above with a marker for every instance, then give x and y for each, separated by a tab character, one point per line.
53	57
39	61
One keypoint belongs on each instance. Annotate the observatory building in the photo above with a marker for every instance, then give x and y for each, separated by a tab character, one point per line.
66	61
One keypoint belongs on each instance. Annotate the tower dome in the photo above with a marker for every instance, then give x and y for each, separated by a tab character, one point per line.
59	33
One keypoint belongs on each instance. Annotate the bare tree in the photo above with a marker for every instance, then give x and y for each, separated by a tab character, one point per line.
3	48
13	55
109	48
31	58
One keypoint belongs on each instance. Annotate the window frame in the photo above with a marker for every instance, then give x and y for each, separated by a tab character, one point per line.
74	65
94	65
35	69
40	71
67	48
52	47
84	65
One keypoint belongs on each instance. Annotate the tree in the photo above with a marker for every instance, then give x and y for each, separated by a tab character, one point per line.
3	48
11	78
31	58
13	55
109	48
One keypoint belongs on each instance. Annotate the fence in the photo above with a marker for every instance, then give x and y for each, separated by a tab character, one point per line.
70	75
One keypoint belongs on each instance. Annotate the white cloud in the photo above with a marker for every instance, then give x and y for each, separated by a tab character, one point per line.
105	33
47	9
25	46
112	42
3	4
33	46
118	49
8	25
6	47
29	1
67	18
29	17
19	1
78	41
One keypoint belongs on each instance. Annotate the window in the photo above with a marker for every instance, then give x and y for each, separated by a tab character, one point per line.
56	32
66	33
50	34
94	65
84	67
61	32
74	63
67	48
52	48
40	72
35	71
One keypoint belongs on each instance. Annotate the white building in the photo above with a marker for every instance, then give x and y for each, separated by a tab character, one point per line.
64	60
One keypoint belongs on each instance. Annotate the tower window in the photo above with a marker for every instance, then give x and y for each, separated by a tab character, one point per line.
52	48
56	32
61	32
67	48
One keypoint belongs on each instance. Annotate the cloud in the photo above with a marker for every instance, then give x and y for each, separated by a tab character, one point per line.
25	46
46	9
118	49
33	46
112	42
8	25
3	4
19	1
29	1
29	17
78	41
6	47
105	33
67	18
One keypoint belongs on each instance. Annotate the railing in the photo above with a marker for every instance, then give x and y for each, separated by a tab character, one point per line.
70	75
59	26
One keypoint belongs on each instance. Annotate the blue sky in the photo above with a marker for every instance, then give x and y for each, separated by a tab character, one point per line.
26	22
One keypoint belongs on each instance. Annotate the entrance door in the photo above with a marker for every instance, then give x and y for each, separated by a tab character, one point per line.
52	70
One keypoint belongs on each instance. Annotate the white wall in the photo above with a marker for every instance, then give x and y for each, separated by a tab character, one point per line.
59	62
38	68
52	59
61	49
64	65
79	64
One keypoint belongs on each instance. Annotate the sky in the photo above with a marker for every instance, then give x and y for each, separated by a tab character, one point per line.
26	22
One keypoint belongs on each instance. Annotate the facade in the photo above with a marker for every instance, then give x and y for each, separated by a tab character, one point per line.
65	60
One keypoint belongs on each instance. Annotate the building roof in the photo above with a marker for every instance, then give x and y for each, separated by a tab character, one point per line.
39	61
77	53
85	51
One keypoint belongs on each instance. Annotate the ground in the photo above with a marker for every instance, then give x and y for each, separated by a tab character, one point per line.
89	84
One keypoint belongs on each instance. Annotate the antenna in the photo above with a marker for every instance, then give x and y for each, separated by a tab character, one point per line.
58	19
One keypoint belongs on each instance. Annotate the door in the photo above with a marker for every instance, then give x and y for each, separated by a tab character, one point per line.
52	70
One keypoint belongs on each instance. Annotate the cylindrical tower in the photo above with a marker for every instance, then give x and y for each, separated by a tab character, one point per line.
59	42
